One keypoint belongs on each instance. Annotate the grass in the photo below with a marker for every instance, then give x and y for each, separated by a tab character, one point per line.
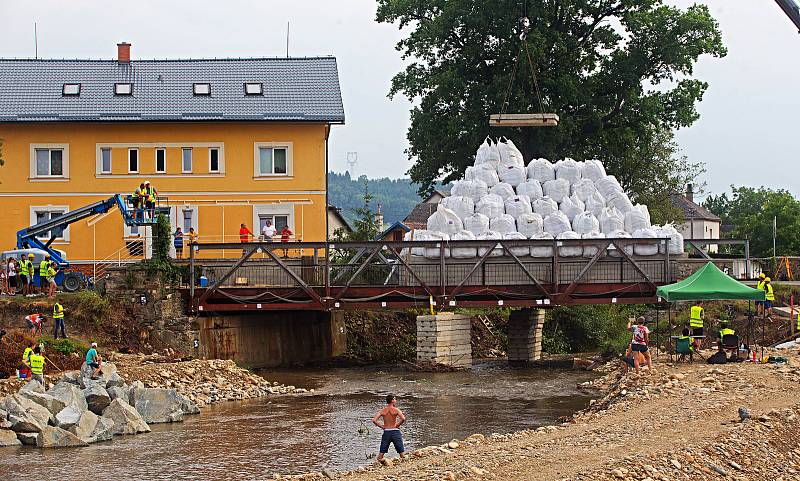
64	346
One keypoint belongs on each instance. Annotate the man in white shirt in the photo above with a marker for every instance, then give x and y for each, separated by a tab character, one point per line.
268	231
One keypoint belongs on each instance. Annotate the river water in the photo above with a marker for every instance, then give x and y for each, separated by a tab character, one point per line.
252	440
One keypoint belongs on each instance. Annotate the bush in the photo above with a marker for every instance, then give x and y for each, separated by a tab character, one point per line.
588	328
92	305
64	346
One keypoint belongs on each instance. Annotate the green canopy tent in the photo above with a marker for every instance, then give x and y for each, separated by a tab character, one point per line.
709	283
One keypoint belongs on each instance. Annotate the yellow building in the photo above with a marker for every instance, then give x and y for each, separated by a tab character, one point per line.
225	142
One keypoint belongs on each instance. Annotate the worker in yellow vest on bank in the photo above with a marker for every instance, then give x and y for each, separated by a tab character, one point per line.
760	287
58	320
769	293
36	361
696	317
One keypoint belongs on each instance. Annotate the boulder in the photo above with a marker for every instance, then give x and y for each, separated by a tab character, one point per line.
71	377
27	439
32	386
125	418
69	417
8	438
93	428
25	415
53	437
115	380
108	370
123	392
4	424
45	400
70	394
157	405
187	405
103	430
97	398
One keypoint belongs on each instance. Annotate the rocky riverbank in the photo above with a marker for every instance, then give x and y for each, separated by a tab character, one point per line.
686	421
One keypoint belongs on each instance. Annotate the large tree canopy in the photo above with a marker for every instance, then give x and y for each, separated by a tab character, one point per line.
618	72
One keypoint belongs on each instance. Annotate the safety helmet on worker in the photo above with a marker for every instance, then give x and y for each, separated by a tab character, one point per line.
30	256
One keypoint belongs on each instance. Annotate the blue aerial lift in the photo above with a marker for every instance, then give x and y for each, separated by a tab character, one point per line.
30	238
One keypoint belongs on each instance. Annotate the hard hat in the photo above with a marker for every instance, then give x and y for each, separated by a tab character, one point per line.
30	255
762	275
768	279
94	344
146	182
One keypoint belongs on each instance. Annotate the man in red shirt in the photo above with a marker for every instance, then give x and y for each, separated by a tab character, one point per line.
244	236
285	234
35	322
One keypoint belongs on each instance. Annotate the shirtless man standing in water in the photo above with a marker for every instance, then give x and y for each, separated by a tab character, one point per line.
393	418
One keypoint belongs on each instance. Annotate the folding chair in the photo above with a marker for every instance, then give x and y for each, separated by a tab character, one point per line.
730	342
683	347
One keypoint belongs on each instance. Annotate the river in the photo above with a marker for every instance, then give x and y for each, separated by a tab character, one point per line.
252	440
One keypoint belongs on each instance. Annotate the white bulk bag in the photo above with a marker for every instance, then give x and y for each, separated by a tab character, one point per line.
483	172
611	220
517	251
569	250
545	206
544	250
636	219
585	223
518	205
503	224
571	207
491	205
595	204
675	240
435	252
645	249
583	189
511	174
532	188
558	189
593	170
463	252
444	220
530	225
477	223
462	206
503	189
619	234
488	153
510	154
568	170
644	210
491	235
474	189
607	185
620	201
591	250
541	170
417	235
556	223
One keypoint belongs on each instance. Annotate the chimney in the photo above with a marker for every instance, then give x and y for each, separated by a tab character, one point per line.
124	52
689	193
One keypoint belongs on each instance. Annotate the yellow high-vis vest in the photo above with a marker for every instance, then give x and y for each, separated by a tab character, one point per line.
37	364
770	295
696	319
58	311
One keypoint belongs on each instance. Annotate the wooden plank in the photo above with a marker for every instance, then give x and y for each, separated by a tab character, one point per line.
523	120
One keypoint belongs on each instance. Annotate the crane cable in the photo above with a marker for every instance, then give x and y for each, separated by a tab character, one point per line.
525	25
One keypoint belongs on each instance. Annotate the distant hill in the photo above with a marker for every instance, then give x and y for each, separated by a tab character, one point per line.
396	196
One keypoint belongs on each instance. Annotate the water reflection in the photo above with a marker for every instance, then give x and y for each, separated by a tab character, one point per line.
286	435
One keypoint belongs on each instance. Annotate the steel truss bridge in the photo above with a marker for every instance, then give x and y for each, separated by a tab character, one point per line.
381	274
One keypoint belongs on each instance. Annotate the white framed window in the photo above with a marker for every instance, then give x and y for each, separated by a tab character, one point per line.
49	161
278	221
253	88
213	160
272	159
187	216
123	89
186	160
279	214
71	90
105	160
133	161
201	88
49	212
161	161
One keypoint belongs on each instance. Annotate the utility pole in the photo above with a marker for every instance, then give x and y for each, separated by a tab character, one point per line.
774	234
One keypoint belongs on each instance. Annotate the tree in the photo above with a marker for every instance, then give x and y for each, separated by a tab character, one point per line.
618	73
751	211
365	228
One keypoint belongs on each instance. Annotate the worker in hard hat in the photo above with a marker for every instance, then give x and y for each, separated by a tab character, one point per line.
769	294
760	286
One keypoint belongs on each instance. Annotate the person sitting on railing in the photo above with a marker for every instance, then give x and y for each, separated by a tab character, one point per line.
192	239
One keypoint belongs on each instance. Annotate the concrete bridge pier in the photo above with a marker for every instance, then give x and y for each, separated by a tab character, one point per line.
525	336
445	338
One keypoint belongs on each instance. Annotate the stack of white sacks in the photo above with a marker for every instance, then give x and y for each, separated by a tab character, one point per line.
501	198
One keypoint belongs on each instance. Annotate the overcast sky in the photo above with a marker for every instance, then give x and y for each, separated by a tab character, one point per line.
746	134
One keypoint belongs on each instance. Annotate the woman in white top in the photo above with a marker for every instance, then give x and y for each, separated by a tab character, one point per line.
12	276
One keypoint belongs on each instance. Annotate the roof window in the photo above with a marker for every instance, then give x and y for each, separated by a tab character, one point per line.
71	90
202	89
253	88
123	89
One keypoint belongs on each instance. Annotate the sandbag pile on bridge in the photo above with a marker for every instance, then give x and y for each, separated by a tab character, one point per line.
502	198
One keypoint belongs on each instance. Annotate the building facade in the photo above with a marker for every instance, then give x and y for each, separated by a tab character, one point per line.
225	142
698	222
